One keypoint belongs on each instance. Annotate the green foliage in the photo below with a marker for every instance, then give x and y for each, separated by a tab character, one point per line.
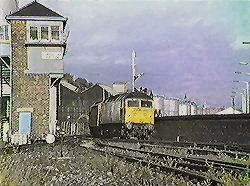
227	179
44	148
16	126
4	179
90	164
244	179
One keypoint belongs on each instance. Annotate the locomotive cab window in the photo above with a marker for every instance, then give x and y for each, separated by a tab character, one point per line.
133	103
147	104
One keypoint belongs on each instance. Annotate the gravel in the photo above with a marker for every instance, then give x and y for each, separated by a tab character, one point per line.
44	165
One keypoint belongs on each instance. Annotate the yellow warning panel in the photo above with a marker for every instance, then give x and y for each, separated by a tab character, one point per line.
139	115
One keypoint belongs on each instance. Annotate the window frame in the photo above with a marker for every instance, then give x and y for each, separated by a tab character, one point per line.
39	33
5	32
30	39
59	35
133	100
147	101
2	32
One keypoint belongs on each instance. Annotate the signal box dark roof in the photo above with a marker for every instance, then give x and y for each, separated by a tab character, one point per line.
35	9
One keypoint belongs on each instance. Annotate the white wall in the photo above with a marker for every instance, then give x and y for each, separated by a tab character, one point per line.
159	104
37	64
193	110
243	103
184	109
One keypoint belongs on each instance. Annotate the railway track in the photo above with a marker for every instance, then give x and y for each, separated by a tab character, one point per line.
201	161
190	148
196	168
196	176
196	149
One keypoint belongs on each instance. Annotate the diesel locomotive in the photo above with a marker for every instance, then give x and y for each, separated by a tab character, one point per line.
125	115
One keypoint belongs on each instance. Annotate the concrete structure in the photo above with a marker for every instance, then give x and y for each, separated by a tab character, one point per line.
193	107
220	129
229	110
7	7
184	109
243	102
159	105
199	110
177	107
211	111
38	47
108	89
171	106
122	87
166	106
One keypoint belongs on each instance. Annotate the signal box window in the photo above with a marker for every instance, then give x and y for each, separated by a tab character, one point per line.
1	33
33	33
147	104
45	33
4	32
133	103
55	32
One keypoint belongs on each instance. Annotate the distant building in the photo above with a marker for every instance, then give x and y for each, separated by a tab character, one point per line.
122	87
211	111
193	108
177	107
243	102
159	105
75	104
184	109
229	110
171	107
199	110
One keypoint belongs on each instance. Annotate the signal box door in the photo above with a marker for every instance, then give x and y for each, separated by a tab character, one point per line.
25	123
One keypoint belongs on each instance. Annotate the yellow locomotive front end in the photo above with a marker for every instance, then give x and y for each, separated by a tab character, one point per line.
139	111
139	116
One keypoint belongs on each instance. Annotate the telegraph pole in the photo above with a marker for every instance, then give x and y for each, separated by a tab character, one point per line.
135	77
133	70
233	103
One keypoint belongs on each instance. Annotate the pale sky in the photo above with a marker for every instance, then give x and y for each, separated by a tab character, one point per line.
182	46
